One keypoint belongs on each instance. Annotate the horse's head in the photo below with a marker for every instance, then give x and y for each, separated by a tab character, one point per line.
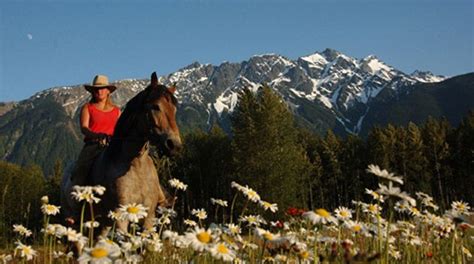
160	106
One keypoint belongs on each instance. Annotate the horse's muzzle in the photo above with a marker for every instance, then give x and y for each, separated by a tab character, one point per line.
173	146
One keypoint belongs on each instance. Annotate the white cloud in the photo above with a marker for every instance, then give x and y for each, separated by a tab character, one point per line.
29	36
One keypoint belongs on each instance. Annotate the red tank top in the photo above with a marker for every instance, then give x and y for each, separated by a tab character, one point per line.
102	122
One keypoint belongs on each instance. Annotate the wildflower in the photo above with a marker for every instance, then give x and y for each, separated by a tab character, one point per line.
154	243
114	215
292	211
177	184
91	224
84	193
319	216
222	252
252	220
99	190
376	196
355	226
466	252
164	220
393	252
132	212
402	206
343	213
5	258
373	209
199	239
199	213
414	211
461	207
374	169
269	206
219	202
45	199
233	229
390	190
251	195
21	230
72	235
190	222
166	211
24	251
237	186
427	200
103	252
49	209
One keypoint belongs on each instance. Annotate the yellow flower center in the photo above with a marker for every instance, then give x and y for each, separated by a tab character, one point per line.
26	250
50	207
343	214
99	252
221	248
252	219
372	208
133	210
252	194
356	228
267	204
268	236
204	237
304	255
323	213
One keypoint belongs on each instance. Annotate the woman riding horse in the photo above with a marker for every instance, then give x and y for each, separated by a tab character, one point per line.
124	168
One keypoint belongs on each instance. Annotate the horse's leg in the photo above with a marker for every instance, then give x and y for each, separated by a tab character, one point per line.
122	225
149	219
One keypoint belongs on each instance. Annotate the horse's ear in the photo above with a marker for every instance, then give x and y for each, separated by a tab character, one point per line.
172	88
154	79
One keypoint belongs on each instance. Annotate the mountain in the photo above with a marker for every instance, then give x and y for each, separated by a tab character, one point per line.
325	90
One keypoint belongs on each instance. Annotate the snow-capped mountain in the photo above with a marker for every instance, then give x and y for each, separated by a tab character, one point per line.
334	83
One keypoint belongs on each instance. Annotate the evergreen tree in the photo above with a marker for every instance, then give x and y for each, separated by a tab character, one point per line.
417	174
333	178
267	155
437	153
463	160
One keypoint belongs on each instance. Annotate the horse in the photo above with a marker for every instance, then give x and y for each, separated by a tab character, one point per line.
125	167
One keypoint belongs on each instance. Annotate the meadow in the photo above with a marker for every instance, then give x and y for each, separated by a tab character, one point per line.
394	227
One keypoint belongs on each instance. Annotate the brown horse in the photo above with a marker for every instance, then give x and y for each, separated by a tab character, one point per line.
124	168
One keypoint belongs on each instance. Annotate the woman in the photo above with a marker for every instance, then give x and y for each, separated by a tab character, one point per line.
97	121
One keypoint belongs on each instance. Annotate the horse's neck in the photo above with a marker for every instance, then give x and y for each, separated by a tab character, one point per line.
127	150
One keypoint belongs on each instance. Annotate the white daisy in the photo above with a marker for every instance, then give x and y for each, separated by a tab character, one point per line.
269	206
84	193
374	169
21	230
219	202
222	252
177	184
24	251
343	213
49	209
320	215
199	213
190	222
199	239
132	212
102	253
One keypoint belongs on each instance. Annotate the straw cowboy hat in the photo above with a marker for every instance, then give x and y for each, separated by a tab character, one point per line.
100	81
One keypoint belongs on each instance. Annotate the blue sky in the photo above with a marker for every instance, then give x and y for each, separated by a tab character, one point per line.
51	43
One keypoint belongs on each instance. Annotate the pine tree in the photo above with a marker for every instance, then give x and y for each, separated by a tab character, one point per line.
267	155
437	152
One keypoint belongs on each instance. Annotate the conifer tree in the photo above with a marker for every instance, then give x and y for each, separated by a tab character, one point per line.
437	152
267	154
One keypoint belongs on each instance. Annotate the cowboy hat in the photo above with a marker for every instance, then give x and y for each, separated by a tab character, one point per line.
100	81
